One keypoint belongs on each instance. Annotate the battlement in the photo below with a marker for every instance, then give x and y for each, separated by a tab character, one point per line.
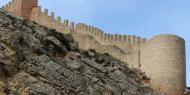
162	58
106	38
49	19
8	6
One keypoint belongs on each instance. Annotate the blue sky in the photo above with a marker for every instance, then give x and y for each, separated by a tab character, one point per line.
145	18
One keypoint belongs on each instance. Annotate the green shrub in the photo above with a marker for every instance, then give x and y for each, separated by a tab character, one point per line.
92	50
85	53
53	30
100	60
66	39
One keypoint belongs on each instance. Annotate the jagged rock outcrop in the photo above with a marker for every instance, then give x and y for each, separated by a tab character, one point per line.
35	60
187	91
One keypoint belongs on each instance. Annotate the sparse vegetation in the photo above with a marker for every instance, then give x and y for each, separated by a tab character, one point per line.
36	60
65	39
53	30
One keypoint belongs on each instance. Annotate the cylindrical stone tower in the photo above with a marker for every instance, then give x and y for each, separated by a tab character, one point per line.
163	60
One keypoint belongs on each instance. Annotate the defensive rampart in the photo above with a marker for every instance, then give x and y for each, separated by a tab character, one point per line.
162	58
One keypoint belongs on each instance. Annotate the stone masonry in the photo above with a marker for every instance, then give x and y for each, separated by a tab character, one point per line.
162	58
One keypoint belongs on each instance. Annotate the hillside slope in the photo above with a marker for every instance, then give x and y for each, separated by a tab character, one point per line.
187	91
35	60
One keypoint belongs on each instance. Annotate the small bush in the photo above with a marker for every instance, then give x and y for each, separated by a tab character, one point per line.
34	22
85	53
66	39
92	50
106	54
53	30
100	60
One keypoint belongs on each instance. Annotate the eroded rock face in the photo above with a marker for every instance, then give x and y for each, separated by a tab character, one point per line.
35	60
187	91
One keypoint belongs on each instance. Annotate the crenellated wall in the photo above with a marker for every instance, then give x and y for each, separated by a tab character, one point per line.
43	18
162	58
21	8
125	42
124	47
10	7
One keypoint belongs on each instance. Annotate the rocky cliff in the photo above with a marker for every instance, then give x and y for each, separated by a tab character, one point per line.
35	60
187	91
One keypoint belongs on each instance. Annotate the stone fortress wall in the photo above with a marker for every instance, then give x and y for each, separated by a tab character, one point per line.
162	58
